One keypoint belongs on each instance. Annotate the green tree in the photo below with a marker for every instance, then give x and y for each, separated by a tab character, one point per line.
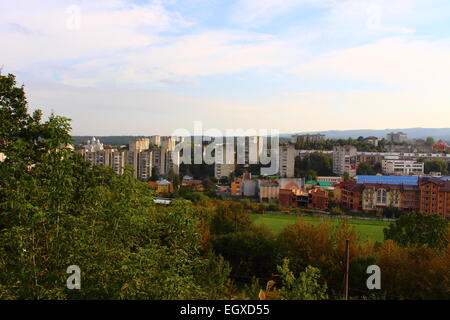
58	210
251	252
305	287
430	141
418	229
436	165
365	169
229	217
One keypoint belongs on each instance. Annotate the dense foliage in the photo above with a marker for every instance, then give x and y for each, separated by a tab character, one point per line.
55	211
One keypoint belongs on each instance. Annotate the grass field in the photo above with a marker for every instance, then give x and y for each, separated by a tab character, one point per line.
368	229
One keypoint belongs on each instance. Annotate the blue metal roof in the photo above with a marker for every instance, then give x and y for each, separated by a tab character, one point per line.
405	180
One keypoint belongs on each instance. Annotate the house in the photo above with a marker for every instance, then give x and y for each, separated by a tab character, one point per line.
162	186
319	199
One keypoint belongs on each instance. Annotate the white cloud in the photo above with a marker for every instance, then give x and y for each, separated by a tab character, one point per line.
185	57
404	64
33	32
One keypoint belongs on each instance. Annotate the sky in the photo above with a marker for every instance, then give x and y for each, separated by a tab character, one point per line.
143	67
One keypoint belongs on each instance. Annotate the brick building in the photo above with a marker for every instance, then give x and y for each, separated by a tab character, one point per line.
435	196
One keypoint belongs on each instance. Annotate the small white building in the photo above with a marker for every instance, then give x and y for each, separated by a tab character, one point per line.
395	166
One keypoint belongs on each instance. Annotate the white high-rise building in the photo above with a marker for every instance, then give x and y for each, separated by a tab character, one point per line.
344	160
144	167
223	166
397	137
155	140
168	143
135	147
118	161
287	161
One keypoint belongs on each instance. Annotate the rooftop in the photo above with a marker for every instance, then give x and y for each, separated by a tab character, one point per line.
405	180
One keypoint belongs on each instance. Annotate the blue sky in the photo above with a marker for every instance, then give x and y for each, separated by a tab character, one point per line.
150	67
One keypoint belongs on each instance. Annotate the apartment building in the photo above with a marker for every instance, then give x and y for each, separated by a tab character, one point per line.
435	196
166	161
144	165
155	141
98	157
168	143
344	160
287	161
118	161
396	137
223	166
308	138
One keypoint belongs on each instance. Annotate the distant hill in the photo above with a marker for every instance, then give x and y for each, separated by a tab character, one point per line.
413	133
112	140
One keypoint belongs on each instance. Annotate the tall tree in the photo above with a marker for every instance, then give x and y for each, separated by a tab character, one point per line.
417	229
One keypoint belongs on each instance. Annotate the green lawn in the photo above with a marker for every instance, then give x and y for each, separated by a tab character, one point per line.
368	229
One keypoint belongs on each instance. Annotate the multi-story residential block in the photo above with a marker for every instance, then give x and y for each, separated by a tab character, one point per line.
372	140
376	197
308	138
344	160
99	157
155	141
168	143
139	144
172	161
224	164
435	196
377	193
397	137
118	161
166	161
410	198
350	195
319	199
144	165
135	147
395	166
287	161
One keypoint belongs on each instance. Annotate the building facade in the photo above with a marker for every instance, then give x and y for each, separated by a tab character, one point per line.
287	161
395	166
344	160
435	196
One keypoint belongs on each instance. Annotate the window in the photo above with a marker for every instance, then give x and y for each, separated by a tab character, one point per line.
381	196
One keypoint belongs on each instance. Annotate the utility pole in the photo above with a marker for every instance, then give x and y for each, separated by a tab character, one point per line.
347	268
